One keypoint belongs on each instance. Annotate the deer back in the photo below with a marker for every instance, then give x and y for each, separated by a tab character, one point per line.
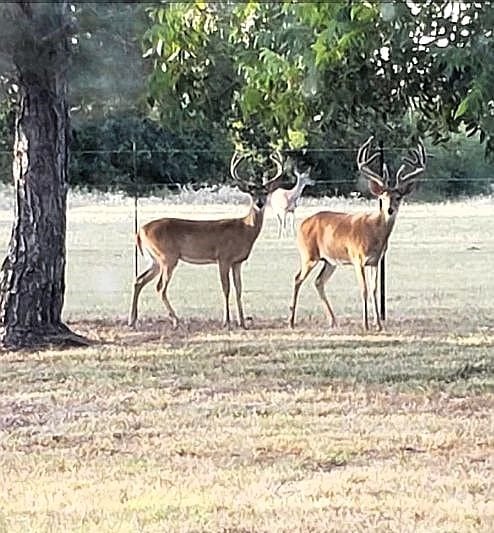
201	241
344	237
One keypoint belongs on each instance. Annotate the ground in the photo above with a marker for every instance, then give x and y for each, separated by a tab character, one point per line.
269	429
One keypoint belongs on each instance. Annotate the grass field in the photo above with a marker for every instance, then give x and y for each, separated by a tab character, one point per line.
265	430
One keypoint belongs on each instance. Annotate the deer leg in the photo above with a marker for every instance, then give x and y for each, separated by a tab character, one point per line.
373	284
304	271
321	280
237	281
166	274
360	272
225	284
293	223
280	224
139	283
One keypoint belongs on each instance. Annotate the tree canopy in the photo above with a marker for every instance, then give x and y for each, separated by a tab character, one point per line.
310	78
302	73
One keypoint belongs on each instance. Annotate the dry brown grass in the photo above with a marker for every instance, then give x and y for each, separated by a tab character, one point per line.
265	430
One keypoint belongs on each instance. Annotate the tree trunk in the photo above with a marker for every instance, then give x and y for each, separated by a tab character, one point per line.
32	278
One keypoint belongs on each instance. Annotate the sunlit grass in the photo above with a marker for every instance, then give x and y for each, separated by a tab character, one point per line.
255	431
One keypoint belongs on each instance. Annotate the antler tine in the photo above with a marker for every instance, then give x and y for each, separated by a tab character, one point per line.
418	161
236	158
386	173
277	159
363	162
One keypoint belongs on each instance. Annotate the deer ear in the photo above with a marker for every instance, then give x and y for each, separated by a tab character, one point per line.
375	188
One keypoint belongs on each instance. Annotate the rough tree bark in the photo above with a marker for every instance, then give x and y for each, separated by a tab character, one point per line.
32	278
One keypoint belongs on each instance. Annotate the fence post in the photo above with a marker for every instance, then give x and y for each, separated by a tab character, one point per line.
136	198
382	265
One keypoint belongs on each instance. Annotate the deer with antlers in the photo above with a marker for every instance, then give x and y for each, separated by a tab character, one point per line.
227	242
358	239
284	201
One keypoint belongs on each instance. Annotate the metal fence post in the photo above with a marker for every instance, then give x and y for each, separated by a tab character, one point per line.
136	198
382	265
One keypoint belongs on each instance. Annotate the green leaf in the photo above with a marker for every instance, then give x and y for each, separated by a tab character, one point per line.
297	138
251	100
462	107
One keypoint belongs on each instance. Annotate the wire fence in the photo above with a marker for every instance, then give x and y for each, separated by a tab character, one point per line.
438	254
145	184
438	261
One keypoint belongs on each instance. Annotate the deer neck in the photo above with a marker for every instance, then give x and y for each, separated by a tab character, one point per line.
386	221
297	189
255	216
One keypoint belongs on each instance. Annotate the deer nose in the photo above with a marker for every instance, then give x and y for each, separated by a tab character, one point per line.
390	211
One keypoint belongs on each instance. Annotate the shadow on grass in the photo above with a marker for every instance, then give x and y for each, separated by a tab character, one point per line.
411	353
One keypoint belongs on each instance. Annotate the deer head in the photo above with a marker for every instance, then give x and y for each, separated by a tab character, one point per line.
257	187
405	177
303	178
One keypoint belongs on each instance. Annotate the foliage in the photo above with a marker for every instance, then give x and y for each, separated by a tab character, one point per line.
102	155
458	168
461	52
306	77
107	73
294	74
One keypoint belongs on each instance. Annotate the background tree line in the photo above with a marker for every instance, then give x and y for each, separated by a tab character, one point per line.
306	78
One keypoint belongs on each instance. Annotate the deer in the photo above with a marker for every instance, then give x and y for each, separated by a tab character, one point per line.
227	242
285	201
358	239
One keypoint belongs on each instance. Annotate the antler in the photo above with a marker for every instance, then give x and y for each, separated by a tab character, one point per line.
250	184
277	159
236	158
417	161
245	184
364	160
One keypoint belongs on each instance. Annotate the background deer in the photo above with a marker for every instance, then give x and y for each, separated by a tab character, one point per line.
285	201
227	242
357	239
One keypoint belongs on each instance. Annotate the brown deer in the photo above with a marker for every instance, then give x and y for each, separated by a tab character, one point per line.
358	239
227	242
